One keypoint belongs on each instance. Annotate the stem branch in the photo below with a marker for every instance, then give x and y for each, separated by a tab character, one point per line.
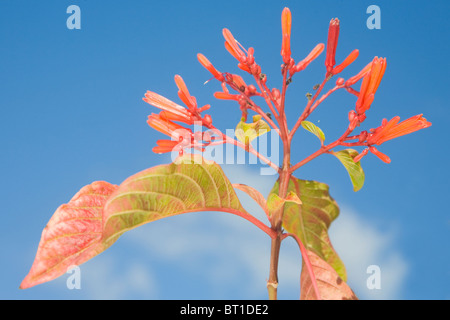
322	150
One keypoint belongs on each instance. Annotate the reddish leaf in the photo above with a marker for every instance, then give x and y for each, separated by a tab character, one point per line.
330	284
72	236
254	194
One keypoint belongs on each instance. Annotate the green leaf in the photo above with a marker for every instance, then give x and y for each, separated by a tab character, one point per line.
189	185
275	203
246	132
310	220
330	285
311	127
354	170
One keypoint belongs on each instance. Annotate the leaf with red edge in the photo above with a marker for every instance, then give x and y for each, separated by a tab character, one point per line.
190	184
72	236
254	194
99	213
329	283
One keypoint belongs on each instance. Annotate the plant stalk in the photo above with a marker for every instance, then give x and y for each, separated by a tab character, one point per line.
277	218
272	283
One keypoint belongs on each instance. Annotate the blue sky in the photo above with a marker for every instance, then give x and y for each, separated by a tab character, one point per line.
73	113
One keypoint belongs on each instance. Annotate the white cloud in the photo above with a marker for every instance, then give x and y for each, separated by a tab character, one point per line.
108	279
360	244
228	252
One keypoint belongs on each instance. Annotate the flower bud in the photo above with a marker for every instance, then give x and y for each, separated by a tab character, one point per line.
380	155
359	156
276	93
333	36
351	115
349	60
207	120
251	90
362	136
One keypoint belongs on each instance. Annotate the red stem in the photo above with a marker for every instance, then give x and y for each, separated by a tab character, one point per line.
307	262
267	96
322	150
269	93
243	214
322	98
250	149
353	144
276	218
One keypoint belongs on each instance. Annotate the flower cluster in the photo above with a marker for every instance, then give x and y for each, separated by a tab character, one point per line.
234	88
163	122
387	131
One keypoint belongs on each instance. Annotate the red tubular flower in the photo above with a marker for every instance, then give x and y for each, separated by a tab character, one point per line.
380	155
238	81
231	50
184	95
352	91
176	111
351	81
169	128
393	129
226	96
244	67
205	107
164	146
333	36
232	46
370	85
309	58
359	156
246	59
349	60
166	115
390	130
286	21
208	65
